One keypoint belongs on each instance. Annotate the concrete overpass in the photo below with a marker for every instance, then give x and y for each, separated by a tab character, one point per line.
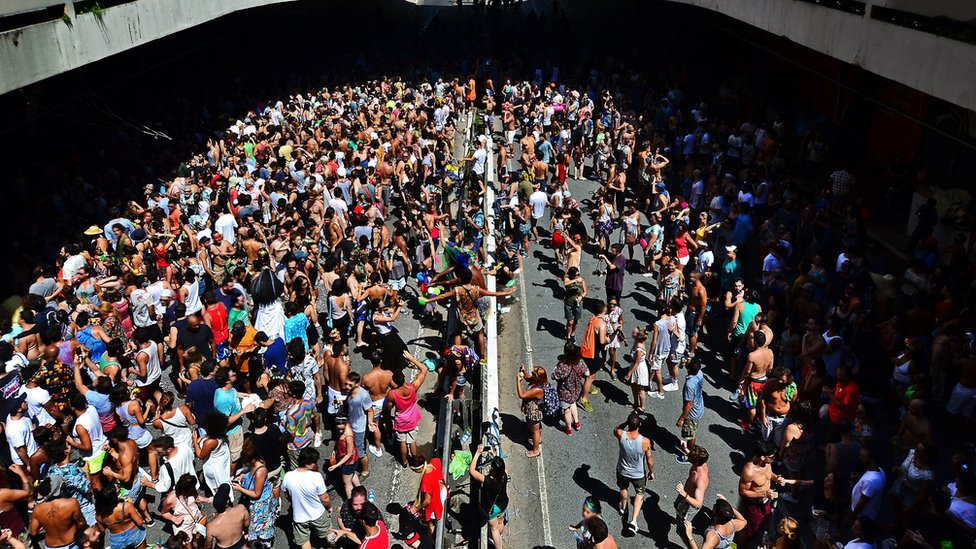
73	38
860	33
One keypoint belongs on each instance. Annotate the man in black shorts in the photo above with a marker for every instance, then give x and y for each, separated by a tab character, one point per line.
594	344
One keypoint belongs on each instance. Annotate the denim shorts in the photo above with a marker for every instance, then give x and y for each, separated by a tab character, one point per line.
129	539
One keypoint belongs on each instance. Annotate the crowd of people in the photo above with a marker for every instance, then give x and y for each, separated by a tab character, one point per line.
198	343
840	362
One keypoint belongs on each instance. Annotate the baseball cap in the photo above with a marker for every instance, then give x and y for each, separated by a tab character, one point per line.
341	172
732	249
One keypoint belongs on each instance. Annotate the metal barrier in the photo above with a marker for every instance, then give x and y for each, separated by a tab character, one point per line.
448	407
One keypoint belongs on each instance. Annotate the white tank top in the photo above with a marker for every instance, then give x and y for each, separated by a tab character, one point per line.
153	372
193	304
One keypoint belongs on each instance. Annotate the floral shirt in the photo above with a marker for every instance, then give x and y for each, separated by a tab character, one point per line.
59	380
569	380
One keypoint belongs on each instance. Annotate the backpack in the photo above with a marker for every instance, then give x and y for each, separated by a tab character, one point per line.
550	401
588	348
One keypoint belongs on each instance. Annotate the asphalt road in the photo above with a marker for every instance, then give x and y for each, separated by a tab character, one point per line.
547	492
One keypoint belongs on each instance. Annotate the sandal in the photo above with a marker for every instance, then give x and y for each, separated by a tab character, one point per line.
530	455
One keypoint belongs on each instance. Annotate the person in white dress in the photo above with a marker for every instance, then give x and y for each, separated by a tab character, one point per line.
212	448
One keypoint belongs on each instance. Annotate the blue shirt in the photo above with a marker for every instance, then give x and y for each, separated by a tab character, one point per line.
226	402
274	356
693	394
200	395
99	401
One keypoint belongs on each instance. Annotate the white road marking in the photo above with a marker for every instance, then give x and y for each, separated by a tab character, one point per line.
539	461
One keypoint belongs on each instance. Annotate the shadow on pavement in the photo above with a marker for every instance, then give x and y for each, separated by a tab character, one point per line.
612	393
595	487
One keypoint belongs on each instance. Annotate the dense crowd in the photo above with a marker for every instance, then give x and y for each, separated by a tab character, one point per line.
198	343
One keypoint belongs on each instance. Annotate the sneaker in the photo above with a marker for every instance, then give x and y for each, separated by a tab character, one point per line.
655	394
594	391
681	459
632	526
735	396
318	440
376	451
673	386
577	426
585	404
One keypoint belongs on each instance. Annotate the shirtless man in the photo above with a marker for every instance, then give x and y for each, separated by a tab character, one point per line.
915	429
759	362
527	143
281	245
377	383
374	290
228	527
758	324
774	404
337	369
574	248
125	467
691	494
334	229
251	245
540	170
695	313
59	517
756	491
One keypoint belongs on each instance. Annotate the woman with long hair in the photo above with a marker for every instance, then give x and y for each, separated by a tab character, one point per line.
256	486
181	508
728	520
129	410
346	456
213	450
175	421
121	518
537	380
639	375
495	485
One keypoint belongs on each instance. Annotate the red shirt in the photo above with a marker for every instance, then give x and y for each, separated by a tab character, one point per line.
432	484
218	322
848	395
380	540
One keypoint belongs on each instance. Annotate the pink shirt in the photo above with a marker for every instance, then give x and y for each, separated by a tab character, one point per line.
407	412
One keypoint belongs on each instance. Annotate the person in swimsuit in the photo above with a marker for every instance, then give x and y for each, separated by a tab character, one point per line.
719	535
121	518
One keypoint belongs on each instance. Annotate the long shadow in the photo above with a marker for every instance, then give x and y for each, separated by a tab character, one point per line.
515	430
735	438
662	437
612	392
723	407
595	487
659	522
548	263
589	304
554	328
553	285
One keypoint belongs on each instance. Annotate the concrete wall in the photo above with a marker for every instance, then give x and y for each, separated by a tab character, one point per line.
963	10
33	53
938	66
